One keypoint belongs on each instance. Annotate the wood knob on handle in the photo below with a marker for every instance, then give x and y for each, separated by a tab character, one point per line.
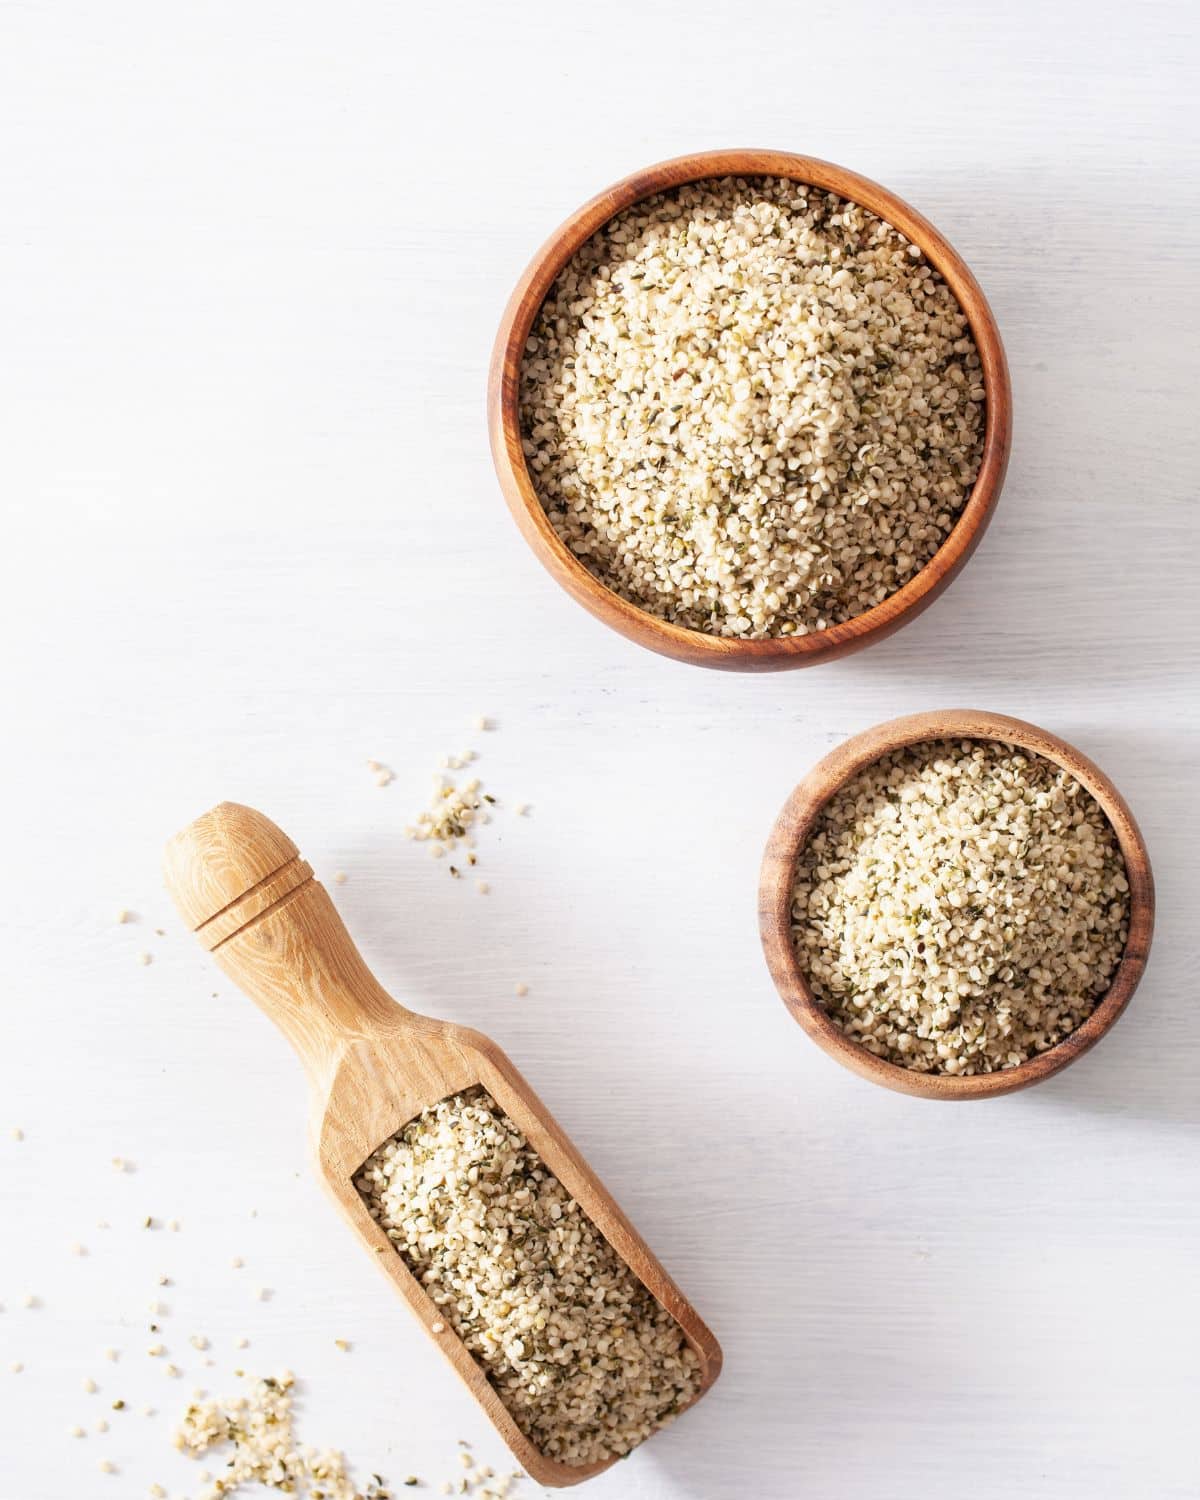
241	886
227	868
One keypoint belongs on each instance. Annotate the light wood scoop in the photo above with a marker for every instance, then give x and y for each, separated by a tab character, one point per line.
241	886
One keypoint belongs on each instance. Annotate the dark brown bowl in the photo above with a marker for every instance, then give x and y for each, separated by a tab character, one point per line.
775	653
792	829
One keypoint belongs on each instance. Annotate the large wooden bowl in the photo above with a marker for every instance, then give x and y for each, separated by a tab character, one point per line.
792	829
693	645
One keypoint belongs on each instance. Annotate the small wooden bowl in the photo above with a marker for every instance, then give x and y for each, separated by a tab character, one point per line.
695	646
792	828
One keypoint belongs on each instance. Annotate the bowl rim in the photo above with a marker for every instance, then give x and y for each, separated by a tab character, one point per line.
636	624
794	823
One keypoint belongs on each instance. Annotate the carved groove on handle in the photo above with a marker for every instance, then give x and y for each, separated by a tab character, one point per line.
254	903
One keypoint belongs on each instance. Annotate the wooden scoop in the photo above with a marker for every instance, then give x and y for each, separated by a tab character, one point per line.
240	884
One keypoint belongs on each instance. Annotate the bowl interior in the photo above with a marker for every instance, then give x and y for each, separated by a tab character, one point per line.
590	590
792	829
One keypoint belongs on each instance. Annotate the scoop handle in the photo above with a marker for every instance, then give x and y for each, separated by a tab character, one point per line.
240	884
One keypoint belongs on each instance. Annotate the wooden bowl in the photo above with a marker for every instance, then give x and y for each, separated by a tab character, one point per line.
658	635
792	828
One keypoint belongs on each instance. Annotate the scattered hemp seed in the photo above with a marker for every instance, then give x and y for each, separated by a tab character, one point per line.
112	1354
121	1165
145	958
77	1431
521	990
342	1344
148	1222
78	1249
452	816
173	1225
585	1359
155	1350
237	1262
90	1385
124	915
482	887
198	1341
241	1342
339	877
960	906
482	724
106	1466
254	1432
522	809
118	1405
156	1492
383	774
17	1133
173	1371
30	1300
16	1367
262	1293
257	1428
101	1426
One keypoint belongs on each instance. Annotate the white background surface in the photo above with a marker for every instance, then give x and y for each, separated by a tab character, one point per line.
252	256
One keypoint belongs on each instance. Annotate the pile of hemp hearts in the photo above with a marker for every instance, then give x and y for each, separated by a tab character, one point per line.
588	1363
960	906
751	408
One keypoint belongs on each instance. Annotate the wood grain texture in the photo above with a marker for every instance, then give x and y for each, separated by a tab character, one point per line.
372	1066
693	646
791	831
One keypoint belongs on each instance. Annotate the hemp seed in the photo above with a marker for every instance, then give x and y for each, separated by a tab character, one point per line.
960	906
749	408
585	1359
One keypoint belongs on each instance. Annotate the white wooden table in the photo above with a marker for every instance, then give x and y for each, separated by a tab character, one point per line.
251	260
